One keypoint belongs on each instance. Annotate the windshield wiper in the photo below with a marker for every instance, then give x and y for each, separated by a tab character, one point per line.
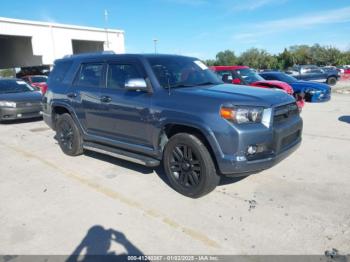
207	83
192	85
181	85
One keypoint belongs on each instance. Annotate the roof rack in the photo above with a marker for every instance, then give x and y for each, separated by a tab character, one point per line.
89	54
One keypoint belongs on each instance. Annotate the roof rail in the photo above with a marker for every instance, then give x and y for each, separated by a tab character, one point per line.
89	54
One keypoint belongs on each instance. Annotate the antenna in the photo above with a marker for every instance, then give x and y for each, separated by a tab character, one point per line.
106	27
155	40
169	86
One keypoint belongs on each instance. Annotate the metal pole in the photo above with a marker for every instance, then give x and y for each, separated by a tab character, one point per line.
155	45
106	24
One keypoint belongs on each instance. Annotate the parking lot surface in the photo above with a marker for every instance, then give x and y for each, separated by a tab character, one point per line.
51	203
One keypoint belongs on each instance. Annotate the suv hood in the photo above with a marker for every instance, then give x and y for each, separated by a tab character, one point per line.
32	96
241	95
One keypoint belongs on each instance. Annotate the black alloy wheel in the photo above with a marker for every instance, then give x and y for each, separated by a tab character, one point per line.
189	166
65	135
68	135
185	166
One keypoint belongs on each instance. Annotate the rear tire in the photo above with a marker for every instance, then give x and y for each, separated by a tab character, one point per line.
68	135
189	166
331	81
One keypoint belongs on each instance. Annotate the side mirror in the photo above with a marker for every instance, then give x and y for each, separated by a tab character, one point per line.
236	81
136	84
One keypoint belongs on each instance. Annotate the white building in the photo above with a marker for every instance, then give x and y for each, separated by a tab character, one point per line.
30	43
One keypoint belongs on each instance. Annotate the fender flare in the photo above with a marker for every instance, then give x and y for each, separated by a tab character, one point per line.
71	112
204	130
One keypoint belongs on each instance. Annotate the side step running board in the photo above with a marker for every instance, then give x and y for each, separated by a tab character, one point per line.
122	154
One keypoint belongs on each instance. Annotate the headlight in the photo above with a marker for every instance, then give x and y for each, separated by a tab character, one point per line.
313	91
7	104
243	115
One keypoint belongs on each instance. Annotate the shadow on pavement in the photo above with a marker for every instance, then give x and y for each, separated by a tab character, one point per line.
96	245
119	162
225	180
21	121
345	119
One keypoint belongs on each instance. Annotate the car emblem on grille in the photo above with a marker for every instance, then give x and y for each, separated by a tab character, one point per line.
28	104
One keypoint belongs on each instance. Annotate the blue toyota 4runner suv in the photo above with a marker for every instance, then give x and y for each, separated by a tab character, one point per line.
171	109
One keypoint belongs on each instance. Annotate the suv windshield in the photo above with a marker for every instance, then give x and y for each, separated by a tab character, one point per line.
39	79
248	75
182	72
13	86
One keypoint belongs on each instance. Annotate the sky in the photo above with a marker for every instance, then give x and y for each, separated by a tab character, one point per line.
201	28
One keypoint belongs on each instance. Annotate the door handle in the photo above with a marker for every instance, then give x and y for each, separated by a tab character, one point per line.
72	95
105	99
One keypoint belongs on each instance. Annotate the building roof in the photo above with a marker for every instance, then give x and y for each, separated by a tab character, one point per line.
56	25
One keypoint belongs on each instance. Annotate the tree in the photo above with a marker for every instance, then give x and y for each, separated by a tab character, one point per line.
226	57
345	59
297	54
285	59
332	56
258	58
210	62
301	54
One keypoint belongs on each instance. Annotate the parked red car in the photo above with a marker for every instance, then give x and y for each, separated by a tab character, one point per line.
39	81
243	75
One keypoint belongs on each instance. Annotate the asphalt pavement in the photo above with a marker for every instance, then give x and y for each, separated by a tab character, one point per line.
51	203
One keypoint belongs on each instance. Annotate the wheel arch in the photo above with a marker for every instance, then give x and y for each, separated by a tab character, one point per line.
206	137
332	77
58	109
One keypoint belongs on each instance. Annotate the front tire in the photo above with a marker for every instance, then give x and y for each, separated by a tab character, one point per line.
189	166
331	81
68	135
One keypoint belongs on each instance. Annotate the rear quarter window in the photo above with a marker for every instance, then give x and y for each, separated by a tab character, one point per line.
59	71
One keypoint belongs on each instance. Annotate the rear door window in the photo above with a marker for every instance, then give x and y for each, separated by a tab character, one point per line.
90	75
119	74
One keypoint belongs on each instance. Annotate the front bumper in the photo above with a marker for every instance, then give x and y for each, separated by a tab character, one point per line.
20	113
318	97
48	120
282	141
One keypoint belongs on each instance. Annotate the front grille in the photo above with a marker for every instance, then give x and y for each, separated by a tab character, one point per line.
283	113
31	114
28	104
290	139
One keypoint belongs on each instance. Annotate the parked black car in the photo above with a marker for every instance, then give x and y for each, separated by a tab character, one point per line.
314	73
171	109
18	100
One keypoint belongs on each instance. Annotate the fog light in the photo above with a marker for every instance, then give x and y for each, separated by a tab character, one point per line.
252	150
19	115
241	158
